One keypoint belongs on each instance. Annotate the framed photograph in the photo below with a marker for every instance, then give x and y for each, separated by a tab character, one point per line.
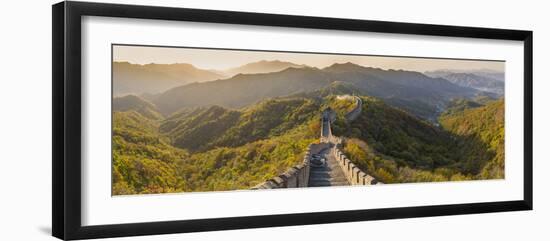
169	120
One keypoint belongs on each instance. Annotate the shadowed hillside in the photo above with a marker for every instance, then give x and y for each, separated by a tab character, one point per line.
143	160
397	147
481	142
412	91
154	78
135	103
484	80
177	128
205	128
242	89
226	154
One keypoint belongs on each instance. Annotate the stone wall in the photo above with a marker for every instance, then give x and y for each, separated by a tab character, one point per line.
352	115
296	176
354	175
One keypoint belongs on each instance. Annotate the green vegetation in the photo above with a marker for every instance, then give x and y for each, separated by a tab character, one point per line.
395	147
459	105
396	133
418	108
245	166
480	133
206	128
393	170
411	91
135	103
242	90
215	148
207	149
332	89
342	106
195	132
185	129
143	161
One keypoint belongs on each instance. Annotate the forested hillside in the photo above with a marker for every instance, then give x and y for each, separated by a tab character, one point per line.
216	126
135	103
415	92
396	133
214	148
179	128
154	78
486	81
397	147
143	160
210	148
480	133
245	166
242	90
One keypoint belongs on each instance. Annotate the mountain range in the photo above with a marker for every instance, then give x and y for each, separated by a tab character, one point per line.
179	128
150	79
420	94
263	66
174	86
242	89
208	127
216	148
484	80
139	79
493	74
210	148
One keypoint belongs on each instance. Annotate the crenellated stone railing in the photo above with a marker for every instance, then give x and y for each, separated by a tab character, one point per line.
296	176
352	115
354	175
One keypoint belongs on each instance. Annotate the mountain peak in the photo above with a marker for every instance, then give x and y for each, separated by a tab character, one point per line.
272	62
263	66
138	104
299	69
348	66
186	66
129	78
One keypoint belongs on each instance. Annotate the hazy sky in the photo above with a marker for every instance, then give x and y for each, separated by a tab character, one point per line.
224	59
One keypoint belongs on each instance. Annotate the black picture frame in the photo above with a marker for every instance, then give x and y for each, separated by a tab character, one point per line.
66	127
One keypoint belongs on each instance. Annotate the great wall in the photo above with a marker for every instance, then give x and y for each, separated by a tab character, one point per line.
337	169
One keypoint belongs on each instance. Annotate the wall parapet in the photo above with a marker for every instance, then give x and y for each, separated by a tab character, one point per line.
354	175
296	176
352	115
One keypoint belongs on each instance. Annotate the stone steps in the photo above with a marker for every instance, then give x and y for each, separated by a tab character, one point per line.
328	183
335	179
329	175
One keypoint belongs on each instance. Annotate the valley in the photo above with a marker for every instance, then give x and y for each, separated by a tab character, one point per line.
214	148
180	128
